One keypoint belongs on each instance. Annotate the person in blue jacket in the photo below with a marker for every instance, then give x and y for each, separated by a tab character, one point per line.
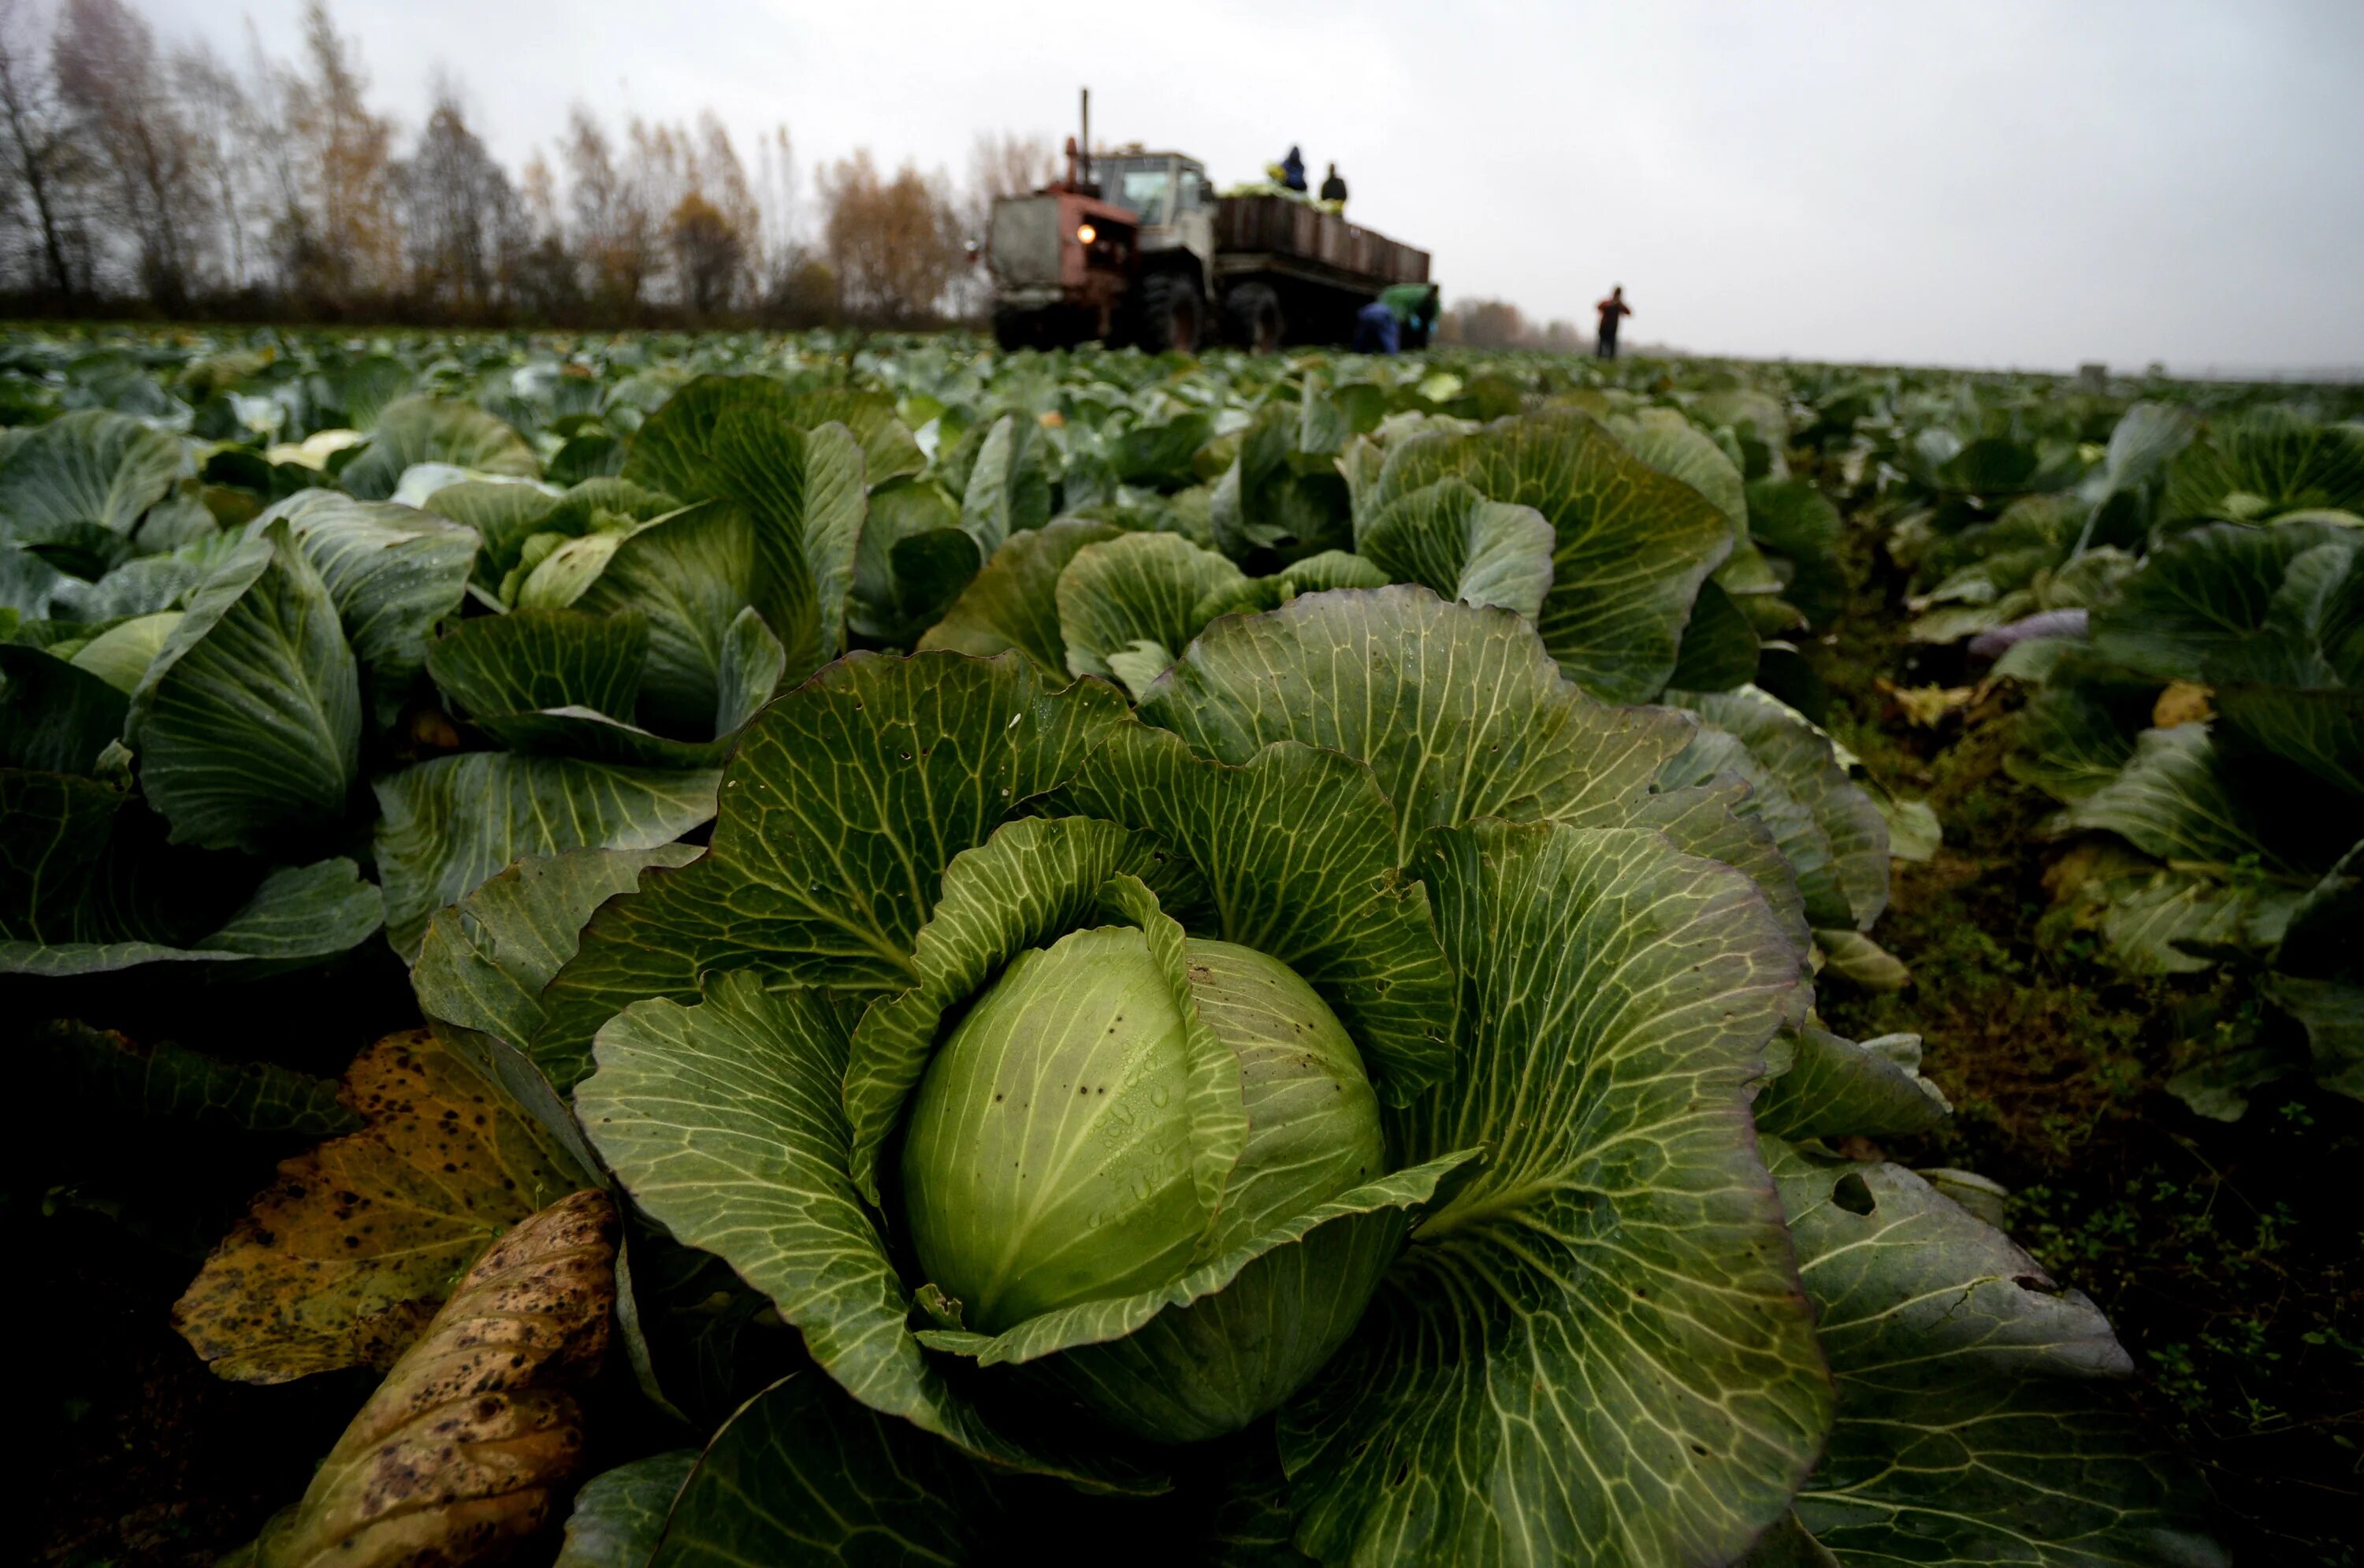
1292	170
1377	330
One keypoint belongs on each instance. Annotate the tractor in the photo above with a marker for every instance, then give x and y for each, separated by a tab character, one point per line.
1133	246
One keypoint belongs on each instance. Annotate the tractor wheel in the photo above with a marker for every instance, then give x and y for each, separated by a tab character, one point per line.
1256	320
1170	313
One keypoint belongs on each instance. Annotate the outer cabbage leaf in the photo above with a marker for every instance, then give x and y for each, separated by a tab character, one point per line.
430	429
1460	711
393	571
1632	545
2068	743
1797	523
55	715
1670	443
248	723
78	484
86	888
447	826
1136	594
2199	596
888	448
1802	758
1453	542
620	1513
492	665
913	561
802	1475
170	1082
2318	975
1977	1420
475	1437
504	517
342	1260
1596	1351
1720	644
1277	498
736	438
1009	488
484	960
2266	461
2173	801
1014	601
842	806
1832	1087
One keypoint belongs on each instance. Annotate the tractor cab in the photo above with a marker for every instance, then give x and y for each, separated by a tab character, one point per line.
1169	197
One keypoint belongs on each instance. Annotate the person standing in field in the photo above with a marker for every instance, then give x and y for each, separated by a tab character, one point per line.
1613	310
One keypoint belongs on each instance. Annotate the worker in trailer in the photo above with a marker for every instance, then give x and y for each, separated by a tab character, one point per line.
1334	190
1290	172
1613	310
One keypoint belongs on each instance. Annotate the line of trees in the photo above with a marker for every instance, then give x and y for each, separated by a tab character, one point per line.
1498	324
136	175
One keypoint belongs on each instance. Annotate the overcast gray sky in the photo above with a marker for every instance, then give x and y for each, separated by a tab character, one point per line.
1975	182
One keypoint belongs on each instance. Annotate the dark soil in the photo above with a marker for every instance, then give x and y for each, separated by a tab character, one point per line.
2227	1254
138	1454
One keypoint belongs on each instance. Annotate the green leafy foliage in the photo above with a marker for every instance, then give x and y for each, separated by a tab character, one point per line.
1242	1042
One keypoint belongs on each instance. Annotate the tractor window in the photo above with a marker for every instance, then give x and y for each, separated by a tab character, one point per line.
1192	195
1146	192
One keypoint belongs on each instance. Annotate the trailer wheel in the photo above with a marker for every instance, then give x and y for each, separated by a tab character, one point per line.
1256	320
1170	313
1013	329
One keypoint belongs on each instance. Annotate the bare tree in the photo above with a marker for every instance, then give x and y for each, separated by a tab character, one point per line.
219	123
708	256
341	228
1485	323
545	277
775	200
894	244
41	151
115	86
1004	163
612	232
460	219
722	180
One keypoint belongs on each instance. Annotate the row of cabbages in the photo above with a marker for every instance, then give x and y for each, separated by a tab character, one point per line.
1247	1037
2185	604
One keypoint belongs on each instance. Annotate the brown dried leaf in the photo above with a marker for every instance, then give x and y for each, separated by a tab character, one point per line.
1926	706
2183	702
471	1442
343	1259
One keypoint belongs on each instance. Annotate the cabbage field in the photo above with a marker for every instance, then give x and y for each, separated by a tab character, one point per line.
748	949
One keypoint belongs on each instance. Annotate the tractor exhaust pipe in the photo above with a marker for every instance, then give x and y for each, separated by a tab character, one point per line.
1087	136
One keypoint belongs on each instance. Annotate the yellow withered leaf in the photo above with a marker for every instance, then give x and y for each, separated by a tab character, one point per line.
343	1259
471	1442
2183	702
